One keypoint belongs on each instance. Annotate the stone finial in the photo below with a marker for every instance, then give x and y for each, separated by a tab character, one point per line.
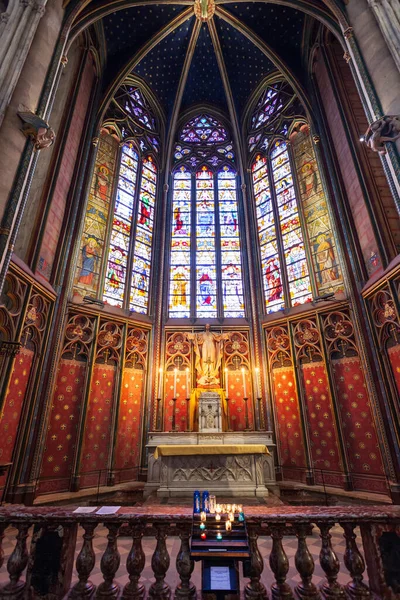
384	129
37	129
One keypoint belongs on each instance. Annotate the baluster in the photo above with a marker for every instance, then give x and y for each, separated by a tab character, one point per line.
85	562
160	590
135	565
305	566
331	589
3	527
255	590
355	564
109	564
16	564
279	563
185	590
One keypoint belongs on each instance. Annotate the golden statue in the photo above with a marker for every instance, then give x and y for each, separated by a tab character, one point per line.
209	356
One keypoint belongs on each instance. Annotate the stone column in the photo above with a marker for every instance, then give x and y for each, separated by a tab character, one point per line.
17	29
387	14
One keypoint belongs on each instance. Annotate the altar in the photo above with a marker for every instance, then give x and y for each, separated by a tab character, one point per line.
208	431
229	464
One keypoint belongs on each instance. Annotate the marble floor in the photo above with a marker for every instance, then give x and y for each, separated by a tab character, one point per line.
173	543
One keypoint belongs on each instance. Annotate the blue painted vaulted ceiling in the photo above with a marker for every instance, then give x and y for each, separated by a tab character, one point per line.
239	27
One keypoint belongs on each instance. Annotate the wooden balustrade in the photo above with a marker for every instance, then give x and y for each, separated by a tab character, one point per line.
278	523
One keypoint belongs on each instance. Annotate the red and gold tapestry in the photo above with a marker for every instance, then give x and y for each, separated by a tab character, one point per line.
394	359
290	434
96	440
62	429
9	420
127	453
321	423
358	425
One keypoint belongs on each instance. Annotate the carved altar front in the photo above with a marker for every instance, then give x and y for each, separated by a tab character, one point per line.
228	475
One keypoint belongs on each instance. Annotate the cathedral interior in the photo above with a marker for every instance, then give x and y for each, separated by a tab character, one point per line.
199	264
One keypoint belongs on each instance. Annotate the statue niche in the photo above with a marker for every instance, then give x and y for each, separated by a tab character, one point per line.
208	348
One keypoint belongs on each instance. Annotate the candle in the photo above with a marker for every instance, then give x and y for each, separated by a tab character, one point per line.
231	517
226	383
218	509
244	383
217	517
187	383
257	388
240	507
203	536
228	508
203	516
228	526
175	374
219	536
160	382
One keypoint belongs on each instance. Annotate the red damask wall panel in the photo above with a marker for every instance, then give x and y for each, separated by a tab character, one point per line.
292	453
62	429
181	394
321	423
129	423
358	425
9	420
394	359
236	402
96	441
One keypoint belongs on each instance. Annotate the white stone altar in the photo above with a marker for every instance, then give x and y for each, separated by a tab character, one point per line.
210	413
236	475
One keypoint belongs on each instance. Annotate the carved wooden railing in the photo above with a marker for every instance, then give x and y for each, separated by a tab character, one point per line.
379	528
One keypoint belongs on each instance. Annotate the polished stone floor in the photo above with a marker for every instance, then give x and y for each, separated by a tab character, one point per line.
173	543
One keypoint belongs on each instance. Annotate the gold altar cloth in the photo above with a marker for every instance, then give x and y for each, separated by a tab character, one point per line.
192	450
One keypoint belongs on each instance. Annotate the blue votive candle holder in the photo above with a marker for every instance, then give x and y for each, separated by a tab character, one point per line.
202	526
219	536
241	517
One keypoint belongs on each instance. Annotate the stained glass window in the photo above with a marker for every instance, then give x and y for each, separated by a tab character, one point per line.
205	266
283	256
179	304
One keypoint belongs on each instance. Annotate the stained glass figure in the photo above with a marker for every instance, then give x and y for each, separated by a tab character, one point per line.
115	280
317	219
97	214
139	297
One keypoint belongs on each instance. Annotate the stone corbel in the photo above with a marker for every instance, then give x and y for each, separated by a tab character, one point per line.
37	129
385	129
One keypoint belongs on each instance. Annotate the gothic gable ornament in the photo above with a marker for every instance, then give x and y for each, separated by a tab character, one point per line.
37	129
386	129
